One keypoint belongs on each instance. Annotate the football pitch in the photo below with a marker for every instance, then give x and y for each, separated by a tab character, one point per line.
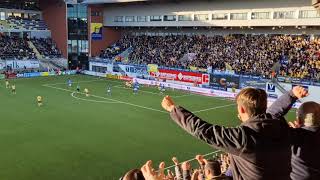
100	137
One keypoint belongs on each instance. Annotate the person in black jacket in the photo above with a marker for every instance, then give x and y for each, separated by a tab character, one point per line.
259	147
305	137
305	159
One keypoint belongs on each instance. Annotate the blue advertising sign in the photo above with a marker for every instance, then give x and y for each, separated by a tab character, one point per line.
224	81
271	87
34	74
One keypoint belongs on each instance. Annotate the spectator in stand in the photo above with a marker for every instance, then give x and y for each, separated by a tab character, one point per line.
46	47
261	140
297	56
12	47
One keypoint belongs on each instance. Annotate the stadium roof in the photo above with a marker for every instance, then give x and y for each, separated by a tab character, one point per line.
127	1
109	1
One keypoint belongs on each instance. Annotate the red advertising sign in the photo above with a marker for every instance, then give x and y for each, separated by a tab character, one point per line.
126	78
183	76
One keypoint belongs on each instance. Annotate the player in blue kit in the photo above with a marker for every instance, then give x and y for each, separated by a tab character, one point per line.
69	82
108	90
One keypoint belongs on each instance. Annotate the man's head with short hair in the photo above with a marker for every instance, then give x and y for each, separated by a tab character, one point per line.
212	168
134	174
308	114
251	102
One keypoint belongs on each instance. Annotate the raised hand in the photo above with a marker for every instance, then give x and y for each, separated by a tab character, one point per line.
175	161
200	159
167	103
300	92
150	174
295	124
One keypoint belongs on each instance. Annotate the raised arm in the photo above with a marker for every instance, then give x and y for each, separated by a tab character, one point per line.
283	104
231	140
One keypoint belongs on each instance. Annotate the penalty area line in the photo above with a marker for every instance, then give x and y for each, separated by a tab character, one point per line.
115	100
217	107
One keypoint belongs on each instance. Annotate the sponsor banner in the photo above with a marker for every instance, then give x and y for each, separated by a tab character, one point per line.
22	64
295	80
203	91
255	82
45	74
134	71
20	75
125	78
96	31
273	96
152	68
224	81
271	88
182	76
316	83
305	82
52	73
113	76
34	74
2	76
71	72
92	73
281	79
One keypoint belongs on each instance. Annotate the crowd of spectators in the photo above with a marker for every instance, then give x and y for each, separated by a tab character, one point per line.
216	168
46	47
117	48
298	56
12	47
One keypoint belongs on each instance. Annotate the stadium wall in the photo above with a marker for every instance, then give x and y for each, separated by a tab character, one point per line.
208	7
109	35
54	14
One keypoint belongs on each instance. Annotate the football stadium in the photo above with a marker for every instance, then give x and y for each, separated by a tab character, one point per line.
160	89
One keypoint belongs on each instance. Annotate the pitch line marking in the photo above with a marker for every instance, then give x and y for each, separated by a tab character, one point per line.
121	102
91	100
186	95
73	82
217	107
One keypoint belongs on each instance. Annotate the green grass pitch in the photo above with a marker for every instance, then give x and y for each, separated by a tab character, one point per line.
98	137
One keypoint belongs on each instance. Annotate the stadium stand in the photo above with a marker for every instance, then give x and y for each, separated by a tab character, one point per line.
298	56
46	47
12	47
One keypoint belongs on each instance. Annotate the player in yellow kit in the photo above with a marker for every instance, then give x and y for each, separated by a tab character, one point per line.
86	91
7	84
39	100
